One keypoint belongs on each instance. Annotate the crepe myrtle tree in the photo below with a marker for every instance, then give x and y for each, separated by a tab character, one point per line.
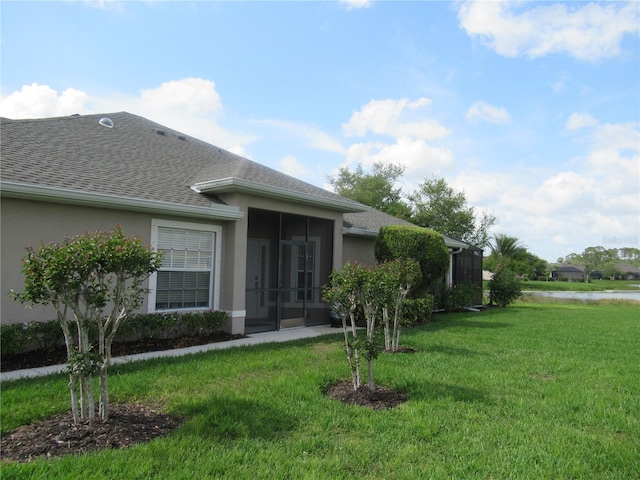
342	295
94	281
353	290
377	291
371	295
396	280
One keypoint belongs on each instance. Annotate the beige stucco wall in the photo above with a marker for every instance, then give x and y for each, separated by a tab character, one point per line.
358	250
26	223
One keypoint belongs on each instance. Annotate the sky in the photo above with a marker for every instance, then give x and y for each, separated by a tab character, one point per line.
531	108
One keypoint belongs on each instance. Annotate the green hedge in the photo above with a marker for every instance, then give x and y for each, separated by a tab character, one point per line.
424	245
22	337
456	297
417	310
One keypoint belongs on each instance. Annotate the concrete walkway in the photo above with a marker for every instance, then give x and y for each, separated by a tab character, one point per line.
284	335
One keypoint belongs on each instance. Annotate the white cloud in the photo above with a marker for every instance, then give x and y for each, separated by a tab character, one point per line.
195	95
620	136
190	105
402	120
486	112
420	159
614	159
563	192
104	4
355	4
291	166
387	117
585	31
37	101
559	212
580	120
314	137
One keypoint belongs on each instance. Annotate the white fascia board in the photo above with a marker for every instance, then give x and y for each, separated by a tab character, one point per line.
76	197
233	184
359	232
453	243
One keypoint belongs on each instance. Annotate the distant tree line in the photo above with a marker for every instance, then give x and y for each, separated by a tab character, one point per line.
607	261
434	204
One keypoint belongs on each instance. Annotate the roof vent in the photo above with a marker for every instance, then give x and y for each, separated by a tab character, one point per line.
161	132
106	122
182	137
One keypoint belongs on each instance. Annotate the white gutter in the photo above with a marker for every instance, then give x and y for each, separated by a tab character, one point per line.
76	197
450	272
233	184
360	232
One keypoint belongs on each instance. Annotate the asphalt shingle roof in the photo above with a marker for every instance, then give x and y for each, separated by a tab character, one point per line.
140	159
371	220
137	158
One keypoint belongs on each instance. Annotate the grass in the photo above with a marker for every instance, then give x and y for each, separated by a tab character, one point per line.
592	286
537	390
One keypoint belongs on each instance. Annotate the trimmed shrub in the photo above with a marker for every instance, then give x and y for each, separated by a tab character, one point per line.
23	337
504	288
456	297
417	310
424	245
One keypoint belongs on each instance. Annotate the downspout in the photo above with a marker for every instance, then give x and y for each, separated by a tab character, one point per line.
450	274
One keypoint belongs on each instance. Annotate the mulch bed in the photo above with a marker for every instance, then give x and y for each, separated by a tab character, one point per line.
127	424
378	399
57	436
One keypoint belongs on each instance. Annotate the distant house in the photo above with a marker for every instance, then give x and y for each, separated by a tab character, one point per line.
573	273
596	275
627	272
235	235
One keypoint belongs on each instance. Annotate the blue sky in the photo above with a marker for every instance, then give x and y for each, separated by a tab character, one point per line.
531	108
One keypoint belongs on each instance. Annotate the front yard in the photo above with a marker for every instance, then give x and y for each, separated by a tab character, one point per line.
532	391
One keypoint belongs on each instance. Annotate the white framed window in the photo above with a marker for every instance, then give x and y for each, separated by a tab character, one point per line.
189	276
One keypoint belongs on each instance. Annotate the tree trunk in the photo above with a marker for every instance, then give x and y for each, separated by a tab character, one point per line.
349	352
371	325
356	351
104	392
396	328
107	334
372	385
388	345
73	385
397	323
86	380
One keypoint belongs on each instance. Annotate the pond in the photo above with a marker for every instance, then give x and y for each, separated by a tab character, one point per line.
602	295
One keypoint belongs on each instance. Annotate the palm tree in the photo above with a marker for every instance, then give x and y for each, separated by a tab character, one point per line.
506	246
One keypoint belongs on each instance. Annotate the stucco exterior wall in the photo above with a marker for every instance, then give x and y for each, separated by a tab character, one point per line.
27	223
358	249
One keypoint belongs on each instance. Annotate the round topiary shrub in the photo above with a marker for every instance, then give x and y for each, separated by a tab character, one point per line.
424	245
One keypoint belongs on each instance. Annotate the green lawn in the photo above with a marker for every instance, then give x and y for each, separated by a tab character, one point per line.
535	391
592	286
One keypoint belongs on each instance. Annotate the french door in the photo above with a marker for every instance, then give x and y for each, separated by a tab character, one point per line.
296	275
